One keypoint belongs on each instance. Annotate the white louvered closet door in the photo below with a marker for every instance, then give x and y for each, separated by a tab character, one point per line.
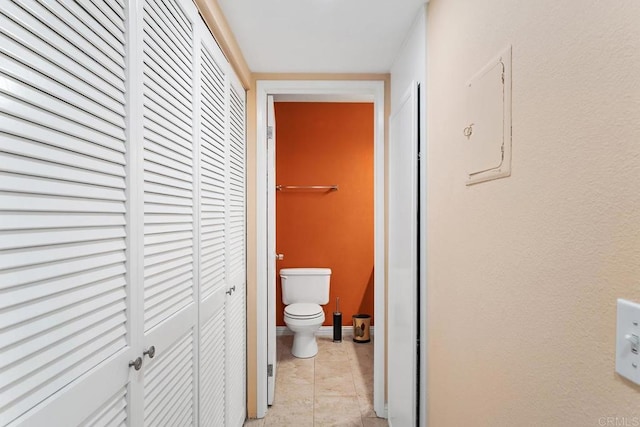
64	346
213	245
170	279
236	304
122	217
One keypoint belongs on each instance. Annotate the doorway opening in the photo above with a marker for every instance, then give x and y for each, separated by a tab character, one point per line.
349	91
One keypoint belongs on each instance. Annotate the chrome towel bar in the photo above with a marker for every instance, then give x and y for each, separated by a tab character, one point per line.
307	187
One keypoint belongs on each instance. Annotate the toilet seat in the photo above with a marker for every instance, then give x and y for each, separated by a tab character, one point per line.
303	311
304	320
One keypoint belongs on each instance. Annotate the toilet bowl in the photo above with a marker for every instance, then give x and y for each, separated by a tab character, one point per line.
304	320
304	290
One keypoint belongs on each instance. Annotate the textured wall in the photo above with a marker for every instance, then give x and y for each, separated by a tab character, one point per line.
524	272
319	144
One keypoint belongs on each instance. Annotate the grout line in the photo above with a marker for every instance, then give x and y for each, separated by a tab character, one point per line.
313	396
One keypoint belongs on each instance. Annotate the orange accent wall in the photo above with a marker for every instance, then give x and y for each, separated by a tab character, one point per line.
323	144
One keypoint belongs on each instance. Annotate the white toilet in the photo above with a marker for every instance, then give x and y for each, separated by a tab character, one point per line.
304	290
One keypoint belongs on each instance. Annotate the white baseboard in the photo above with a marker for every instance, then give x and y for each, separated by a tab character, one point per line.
324	331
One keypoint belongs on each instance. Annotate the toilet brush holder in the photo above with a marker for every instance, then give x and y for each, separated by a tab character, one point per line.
337	323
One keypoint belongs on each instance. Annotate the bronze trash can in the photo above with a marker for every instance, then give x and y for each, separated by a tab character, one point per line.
361	323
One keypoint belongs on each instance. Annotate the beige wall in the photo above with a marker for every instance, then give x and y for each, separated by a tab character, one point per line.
251	209
524	272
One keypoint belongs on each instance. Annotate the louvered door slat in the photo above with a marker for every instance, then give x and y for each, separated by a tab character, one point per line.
167	93
112	414
236	307
107	31
235	358
50	40
101	10
159	26
18	53
22	295
49	87
40	203
160	47
47	169
169	386
58	358
163	135
63	283
160	117
212	363
212	167
73	327
237	187
162	77
33	150
25	96
177	153
175	12
95	46
16	221
38	185
58	122
162	96
23	129
169	213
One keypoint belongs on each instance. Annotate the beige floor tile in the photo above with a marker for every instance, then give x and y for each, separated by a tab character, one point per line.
334	379
336	411
335	388
290	414
365	403
297	371
374	422
293	394
333	352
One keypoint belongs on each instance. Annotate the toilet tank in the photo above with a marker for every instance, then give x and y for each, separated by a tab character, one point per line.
309	285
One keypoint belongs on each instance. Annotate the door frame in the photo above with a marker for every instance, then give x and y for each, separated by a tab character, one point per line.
371	91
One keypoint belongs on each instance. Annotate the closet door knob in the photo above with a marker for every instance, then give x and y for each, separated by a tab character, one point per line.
137	364
151	351
231	290
279	257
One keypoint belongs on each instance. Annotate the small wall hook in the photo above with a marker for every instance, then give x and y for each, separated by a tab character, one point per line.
468	131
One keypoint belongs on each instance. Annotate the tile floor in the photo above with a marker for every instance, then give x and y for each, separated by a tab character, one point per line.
335	388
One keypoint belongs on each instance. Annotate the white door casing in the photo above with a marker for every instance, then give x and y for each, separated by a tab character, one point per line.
403	259
271	252
362	91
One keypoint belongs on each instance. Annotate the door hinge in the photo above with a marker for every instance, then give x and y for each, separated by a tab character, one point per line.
270	370
269	132
419	156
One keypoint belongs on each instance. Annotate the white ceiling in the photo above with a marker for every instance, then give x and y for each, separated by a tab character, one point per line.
320	36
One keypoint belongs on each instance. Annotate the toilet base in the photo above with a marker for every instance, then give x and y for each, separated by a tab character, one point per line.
304	345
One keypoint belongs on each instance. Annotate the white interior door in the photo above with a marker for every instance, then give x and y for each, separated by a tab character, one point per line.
214	274
65	327
236	306
403	261
271	252
170	210
122	215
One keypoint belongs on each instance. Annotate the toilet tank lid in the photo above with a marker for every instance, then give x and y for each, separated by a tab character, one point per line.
305	271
